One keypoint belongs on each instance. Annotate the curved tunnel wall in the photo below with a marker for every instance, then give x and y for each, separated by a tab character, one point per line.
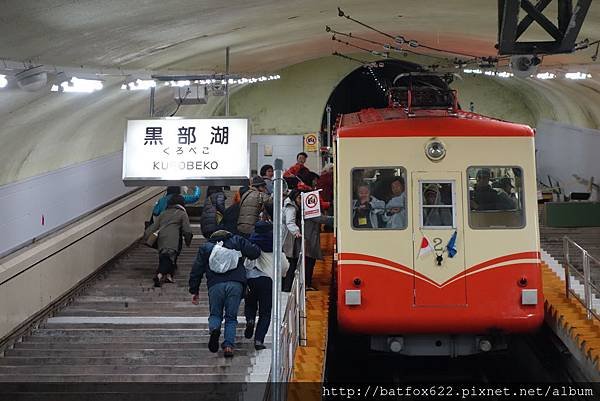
43	131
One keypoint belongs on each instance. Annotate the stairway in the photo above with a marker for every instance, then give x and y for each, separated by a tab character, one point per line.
554	256
587	237
122	329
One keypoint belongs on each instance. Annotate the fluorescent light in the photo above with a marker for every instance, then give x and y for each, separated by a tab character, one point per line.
471	71
504	74
78	85
179	84
139	84
3	81
577	75
545	75
490	73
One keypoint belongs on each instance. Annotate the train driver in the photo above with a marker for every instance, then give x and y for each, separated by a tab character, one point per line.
367	210
395	209
435	216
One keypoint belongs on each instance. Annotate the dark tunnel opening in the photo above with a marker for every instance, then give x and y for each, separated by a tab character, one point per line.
363	88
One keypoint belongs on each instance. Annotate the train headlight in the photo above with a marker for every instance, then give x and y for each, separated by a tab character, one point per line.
435	150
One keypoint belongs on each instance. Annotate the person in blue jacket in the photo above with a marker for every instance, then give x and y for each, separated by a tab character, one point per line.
225	290
161	205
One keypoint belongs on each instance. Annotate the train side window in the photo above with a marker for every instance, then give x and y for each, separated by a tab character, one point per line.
495	197
379	198
437	204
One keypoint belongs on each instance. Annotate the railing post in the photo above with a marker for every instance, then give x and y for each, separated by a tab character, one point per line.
567	263
278	326
587	293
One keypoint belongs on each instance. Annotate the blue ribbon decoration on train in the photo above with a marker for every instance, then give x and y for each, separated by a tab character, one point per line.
451	247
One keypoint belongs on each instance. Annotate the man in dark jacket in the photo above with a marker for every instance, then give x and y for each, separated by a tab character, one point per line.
225	290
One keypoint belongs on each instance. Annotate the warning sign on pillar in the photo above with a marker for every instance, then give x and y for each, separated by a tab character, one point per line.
310	205
310	143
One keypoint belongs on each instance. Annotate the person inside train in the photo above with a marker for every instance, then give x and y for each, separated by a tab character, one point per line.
484	196
435	216
395	208
172	225
506	197
367	211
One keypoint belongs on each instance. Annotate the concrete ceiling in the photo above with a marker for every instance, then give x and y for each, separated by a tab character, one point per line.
264	35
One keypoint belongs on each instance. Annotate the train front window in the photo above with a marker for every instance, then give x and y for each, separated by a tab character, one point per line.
437	204
379	198
495	197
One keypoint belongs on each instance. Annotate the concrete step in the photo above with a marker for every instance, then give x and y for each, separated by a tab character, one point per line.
127	369
129	378
116	345
198	352
217	359
128	332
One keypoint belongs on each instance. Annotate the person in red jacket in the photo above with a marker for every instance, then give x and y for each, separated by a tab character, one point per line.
325	183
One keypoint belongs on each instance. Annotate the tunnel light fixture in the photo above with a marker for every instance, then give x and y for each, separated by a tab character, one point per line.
139	84
224	81
577	75
3	81
545	75
78	85
476	71
505	74
179	84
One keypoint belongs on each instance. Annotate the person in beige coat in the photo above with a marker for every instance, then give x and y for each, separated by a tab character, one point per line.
171	224
252	203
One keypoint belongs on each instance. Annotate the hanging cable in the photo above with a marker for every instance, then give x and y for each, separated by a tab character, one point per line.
401	39
364	62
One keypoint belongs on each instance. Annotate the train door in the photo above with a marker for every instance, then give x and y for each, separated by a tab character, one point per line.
438	245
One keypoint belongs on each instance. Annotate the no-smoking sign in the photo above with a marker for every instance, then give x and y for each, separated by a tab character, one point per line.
311	206
310	142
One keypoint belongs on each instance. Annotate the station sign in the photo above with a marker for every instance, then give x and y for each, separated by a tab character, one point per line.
172	151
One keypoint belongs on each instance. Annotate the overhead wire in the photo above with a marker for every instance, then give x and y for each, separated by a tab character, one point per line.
411	42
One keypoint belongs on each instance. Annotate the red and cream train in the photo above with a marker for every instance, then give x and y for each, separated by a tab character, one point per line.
437	232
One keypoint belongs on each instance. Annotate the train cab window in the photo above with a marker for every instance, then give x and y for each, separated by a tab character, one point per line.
379	198
437	204
495	197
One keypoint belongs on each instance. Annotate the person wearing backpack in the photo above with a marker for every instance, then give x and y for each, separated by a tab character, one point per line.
221	258
212	213
171	225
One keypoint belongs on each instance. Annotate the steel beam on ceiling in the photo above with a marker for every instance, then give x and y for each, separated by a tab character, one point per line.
510	29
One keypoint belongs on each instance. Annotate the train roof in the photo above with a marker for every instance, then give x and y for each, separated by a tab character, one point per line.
395	122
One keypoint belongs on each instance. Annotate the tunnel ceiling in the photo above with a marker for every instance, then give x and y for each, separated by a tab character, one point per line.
191	35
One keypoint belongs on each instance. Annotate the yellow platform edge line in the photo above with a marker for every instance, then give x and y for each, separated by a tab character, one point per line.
571	316
309	361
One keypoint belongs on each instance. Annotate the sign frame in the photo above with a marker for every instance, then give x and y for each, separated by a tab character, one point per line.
155	181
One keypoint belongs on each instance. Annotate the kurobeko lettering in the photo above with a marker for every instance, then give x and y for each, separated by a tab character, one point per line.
189	165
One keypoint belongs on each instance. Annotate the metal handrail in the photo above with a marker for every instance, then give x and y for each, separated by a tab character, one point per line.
588	286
